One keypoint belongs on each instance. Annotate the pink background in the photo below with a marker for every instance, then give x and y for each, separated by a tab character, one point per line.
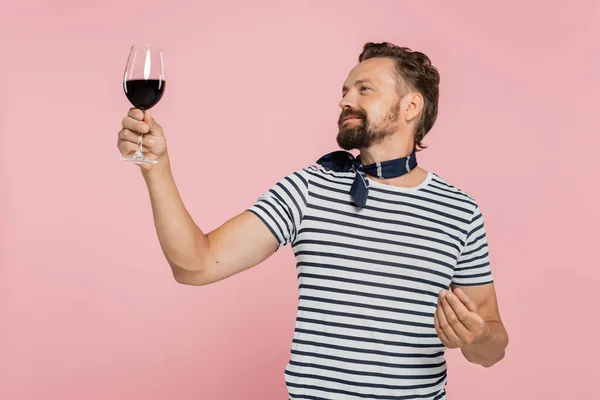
88	307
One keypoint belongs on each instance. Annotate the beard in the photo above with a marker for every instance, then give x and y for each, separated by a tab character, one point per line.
364	133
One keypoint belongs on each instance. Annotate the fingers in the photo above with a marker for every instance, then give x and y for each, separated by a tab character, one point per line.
135	125
141	122
466	318
133	137
439	331
127	148
466	300
452	316
155	128
136	114
138	123
147	117
445	327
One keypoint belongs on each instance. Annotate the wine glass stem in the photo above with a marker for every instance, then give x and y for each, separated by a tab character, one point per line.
139	146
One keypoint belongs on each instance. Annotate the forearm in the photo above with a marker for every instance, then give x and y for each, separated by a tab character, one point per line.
489	350
183	243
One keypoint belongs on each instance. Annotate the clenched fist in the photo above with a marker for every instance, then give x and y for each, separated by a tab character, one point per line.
153	142
456	320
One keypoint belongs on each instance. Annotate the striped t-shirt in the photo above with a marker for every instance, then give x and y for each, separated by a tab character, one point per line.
369	280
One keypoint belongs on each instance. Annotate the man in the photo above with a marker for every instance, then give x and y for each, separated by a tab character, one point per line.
392	261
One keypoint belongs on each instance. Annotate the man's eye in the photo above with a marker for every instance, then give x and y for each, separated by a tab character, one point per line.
363	88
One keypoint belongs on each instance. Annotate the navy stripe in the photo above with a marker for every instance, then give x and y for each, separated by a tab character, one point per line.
456	197
370	340
477	217
378	240
400	195
368	362
370	272
474	275
268	226
473	284
454	192
483	246
292	197
281	237
338	222
441	395
380	285
474	242
481	257
385	221
376	251
368	385
368	351
364	373
344	176
334	179
353	393
366	328
440	181
304	181
480	227
284	206
304	396
397	212
372	295
363	305
423	198
276	208
367	317
485	264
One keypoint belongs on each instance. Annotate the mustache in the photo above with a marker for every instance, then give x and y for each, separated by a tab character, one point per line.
352	113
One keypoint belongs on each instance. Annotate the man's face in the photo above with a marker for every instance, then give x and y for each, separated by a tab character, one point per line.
370	104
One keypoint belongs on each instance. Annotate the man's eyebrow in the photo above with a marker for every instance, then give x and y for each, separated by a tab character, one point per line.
358	82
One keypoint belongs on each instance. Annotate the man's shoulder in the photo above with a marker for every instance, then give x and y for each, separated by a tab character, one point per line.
304	174
443	187
312	171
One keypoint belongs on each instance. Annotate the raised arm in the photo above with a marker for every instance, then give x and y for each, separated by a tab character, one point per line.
195	258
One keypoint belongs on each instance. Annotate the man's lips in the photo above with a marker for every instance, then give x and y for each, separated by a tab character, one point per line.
349	118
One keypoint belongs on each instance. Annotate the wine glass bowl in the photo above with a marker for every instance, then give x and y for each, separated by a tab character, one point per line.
144	94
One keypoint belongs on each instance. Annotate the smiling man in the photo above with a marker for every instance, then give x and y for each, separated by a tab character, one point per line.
392	260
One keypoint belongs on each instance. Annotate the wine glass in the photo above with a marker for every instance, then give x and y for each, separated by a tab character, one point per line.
144	84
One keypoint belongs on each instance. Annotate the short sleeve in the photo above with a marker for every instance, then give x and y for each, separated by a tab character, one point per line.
282	207
473	266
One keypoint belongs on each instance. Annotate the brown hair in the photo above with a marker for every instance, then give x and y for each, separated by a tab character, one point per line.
416	71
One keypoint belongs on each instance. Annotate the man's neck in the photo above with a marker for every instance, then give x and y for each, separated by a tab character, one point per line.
414	178
390	150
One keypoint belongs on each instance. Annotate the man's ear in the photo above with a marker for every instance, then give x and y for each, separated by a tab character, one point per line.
413	106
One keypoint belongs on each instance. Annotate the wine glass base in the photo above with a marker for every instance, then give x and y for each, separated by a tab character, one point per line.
138	160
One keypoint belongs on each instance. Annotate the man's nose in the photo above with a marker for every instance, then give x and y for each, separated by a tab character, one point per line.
347	102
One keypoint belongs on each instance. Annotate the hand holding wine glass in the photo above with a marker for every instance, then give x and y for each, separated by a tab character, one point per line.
140	124
141	140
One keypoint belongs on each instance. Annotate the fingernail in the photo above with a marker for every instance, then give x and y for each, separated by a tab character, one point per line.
442	293
151	142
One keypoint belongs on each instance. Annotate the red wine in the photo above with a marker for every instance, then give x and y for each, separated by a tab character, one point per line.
144	94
